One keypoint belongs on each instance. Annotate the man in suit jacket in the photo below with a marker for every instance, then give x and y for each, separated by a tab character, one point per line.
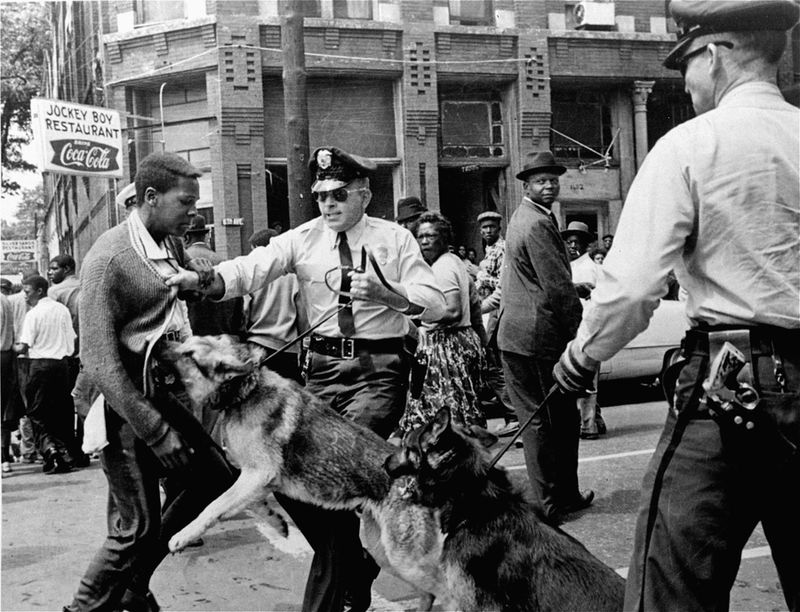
539	314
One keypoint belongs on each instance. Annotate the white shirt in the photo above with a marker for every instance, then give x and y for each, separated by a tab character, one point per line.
451	276
584	270
311	252
718	201
47	330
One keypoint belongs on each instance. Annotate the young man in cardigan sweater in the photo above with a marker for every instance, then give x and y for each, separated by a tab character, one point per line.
150	435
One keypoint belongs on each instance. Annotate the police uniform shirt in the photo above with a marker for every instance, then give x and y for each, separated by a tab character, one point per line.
718	201
311	252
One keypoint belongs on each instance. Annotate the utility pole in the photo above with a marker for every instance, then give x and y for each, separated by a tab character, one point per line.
295	108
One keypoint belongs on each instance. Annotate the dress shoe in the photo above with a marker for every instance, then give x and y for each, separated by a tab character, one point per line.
590	435
55	463
583	501
136	602
81	461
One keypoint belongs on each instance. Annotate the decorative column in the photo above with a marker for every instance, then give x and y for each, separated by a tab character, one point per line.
641	91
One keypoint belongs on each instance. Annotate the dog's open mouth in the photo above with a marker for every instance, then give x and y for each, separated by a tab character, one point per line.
407	488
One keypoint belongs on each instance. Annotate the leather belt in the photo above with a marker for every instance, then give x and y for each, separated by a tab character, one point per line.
348	348
764	340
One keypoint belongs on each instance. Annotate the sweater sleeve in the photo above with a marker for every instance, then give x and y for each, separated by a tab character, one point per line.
100	302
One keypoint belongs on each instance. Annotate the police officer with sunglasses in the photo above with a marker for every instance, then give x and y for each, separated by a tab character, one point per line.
718	201
356	359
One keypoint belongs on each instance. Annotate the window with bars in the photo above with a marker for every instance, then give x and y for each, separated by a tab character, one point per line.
583	118
472	129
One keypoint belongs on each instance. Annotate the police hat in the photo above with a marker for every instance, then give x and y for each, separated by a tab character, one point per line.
126	197
490	215
334	168
409	208
697	18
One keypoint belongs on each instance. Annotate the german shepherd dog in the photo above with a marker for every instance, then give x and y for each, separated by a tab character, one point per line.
498	554
284	439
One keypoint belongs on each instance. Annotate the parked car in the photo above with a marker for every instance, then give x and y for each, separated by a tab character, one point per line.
643	356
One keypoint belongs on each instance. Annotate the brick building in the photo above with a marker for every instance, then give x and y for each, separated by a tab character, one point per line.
447	96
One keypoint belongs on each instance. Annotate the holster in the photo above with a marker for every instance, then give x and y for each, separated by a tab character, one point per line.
733	399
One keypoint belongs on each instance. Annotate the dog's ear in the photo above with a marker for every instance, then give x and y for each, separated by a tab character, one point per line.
440	422
231	366
486	438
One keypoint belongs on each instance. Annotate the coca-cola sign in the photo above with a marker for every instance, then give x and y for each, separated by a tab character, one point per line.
84	155
77	139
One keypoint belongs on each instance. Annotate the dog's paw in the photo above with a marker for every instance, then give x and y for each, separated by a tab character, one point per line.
183	538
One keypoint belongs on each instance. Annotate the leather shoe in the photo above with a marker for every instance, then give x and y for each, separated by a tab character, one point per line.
136	602
583	501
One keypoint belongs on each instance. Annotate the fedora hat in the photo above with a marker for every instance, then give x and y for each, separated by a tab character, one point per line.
541	161
409	208
579	228
197	225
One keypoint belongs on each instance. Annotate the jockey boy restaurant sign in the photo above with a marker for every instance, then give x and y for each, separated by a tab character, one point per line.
77	139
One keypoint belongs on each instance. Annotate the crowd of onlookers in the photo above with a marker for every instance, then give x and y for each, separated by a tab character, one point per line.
44	409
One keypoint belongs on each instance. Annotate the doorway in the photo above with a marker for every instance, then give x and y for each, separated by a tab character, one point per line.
464	193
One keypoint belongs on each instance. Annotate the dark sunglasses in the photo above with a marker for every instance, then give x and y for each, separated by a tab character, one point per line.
340	195
684	61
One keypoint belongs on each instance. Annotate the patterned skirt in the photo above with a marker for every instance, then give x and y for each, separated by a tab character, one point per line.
455	361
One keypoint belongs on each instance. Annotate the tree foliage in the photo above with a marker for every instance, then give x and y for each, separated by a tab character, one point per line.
26	36
30	211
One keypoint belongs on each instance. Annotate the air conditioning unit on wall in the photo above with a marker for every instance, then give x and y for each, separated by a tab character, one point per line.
594	15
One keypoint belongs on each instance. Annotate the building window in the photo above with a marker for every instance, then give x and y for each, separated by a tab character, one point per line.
153	11
471	12
352	9
582	125
472	128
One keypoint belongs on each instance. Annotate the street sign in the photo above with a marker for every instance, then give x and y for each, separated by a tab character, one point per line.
76	138
17	256
233	221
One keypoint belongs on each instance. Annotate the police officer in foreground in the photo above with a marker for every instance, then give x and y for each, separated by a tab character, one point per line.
718	200
356	358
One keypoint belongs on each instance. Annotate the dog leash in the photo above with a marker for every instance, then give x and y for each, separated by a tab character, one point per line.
365	254
300	337
553	389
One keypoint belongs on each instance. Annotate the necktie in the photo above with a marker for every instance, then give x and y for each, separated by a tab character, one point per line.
553	217
346	323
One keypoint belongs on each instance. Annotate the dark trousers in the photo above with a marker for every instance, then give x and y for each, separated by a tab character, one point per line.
49	405
8	386
138	527
371	390
705	490
551	440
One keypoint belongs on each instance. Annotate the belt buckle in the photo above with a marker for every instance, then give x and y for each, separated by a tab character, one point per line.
348	348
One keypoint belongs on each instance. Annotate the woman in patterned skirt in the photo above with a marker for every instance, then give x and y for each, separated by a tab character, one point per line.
450	356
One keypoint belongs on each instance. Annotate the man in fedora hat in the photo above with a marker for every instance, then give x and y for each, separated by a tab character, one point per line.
718	201
539	313
356	359
584	276
584	272
409	210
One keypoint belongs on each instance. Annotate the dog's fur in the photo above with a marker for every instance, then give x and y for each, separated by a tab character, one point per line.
498	554
284	439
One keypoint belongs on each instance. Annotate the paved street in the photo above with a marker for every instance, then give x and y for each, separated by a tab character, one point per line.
51	525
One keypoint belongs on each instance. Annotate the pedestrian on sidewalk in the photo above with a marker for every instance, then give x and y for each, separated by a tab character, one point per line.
47	339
